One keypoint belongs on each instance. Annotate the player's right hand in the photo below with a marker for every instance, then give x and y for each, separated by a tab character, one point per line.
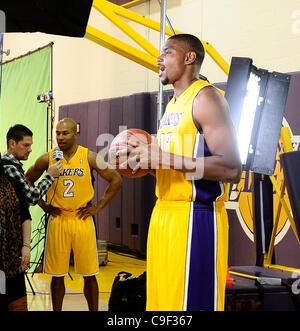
55	169
51	210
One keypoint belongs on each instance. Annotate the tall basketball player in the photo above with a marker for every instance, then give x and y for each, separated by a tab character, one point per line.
69	203
196	154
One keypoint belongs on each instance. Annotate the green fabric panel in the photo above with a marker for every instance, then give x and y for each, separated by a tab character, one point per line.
22	81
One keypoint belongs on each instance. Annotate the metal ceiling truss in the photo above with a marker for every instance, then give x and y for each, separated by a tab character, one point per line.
146	58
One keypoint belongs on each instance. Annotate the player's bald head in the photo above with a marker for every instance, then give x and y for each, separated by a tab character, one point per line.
69	123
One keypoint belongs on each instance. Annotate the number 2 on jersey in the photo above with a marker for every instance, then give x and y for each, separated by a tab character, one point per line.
67	193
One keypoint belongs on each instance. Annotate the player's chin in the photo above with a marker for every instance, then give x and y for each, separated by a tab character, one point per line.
164	80
62	146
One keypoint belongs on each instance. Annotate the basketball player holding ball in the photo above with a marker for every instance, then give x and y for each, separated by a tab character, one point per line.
69	206
194	158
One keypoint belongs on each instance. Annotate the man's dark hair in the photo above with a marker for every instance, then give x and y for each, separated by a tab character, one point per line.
192	43
17	133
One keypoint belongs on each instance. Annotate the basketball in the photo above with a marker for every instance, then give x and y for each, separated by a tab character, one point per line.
122	141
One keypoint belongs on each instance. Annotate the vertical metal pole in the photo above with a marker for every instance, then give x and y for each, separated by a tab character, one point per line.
160	101
168	21
51	101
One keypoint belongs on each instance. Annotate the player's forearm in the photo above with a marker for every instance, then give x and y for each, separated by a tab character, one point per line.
110	192
210	168
219	168
42	204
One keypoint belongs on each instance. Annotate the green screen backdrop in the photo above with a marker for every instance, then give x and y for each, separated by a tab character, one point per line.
23	79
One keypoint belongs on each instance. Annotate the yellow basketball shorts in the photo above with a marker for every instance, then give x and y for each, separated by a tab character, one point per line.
65	233
187	252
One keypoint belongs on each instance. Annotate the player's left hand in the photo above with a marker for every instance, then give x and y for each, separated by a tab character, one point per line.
145	156
89	210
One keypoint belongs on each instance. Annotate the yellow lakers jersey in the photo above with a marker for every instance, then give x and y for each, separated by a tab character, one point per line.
73	189
178	134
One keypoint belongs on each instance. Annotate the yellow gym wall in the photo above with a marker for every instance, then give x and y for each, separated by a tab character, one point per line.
267	31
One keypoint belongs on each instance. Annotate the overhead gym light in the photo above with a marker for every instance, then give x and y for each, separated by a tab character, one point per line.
257	100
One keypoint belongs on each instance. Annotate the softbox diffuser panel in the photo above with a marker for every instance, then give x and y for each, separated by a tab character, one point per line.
236	87
270	123
60	17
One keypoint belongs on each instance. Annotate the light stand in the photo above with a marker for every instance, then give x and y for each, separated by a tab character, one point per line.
257	100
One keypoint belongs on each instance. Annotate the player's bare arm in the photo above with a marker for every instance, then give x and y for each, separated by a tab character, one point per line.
211	112
41	165
114	184
36	171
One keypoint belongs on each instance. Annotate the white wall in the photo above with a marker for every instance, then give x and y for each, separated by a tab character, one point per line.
267	31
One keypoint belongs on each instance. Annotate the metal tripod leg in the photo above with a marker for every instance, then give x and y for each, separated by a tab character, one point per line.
29	283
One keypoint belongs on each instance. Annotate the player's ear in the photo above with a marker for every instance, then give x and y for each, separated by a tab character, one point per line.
190	57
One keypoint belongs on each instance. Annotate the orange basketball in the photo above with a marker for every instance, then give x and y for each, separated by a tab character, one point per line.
122	141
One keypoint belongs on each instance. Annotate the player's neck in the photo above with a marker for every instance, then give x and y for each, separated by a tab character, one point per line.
68	154
182	85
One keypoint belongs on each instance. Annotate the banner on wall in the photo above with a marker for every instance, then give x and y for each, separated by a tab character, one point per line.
240	198
241	203
23	79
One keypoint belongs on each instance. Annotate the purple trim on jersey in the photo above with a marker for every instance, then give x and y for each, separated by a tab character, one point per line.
202	261
207	191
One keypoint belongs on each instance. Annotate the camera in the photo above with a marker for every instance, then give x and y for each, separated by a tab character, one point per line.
45	97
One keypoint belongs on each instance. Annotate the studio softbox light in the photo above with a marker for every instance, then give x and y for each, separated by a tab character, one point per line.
257	100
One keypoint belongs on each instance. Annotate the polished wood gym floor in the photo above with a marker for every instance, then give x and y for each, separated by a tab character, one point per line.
39	298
